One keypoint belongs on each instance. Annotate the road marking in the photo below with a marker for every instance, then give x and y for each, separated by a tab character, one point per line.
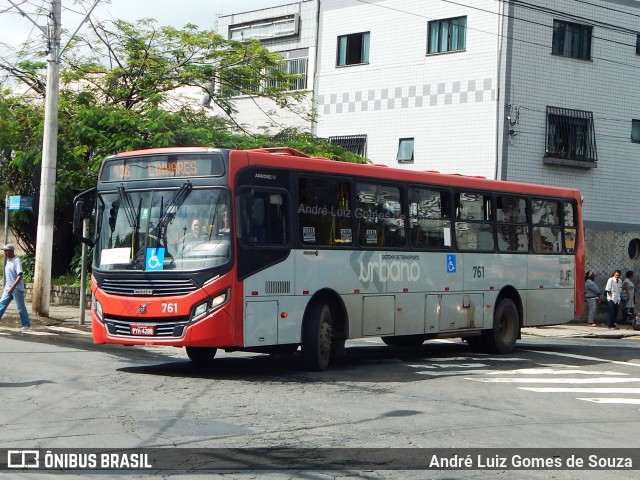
553	371
581	390
624	401
585	357
556	380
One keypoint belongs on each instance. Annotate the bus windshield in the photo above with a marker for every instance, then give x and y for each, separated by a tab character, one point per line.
154	230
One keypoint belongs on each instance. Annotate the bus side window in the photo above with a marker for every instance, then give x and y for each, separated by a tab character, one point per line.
429	218
545	215
570	230
262	218
381	222
474	230
513	229
324	212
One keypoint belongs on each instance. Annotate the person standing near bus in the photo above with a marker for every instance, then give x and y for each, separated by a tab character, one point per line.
629	306
592	294
14	286
613	289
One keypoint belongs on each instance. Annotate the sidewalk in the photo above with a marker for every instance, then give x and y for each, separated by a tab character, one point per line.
59	315
69	317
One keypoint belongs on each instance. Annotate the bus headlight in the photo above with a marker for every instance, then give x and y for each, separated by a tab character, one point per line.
218	300
200	310
97	307
209	305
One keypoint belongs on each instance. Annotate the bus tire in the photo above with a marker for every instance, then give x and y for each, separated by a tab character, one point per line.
201	355
317	332
506	328
404	340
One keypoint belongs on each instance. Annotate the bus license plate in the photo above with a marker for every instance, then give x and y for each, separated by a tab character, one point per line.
144	330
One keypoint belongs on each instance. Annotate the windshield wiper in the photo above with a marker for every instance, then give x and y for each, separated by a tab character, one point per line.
129	209
168	214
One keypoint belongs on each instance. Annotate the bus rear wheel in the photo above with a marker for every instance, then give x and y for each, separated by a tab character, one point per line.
201	355
404	340
317	338
506	328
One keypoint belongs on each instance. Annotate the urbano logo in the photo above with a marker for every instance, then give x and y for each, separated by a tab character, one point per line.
23	459
389	267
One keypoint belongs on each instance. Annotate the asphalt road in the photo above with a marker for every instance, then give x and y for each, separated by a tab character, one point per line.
61	391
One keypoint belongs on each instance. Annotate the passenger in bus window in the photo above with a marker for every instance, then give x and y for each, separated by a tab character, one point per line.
196	233
224	227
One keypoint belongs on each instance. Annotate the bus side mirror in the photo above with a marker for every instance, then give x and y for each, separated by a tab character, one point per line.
79	216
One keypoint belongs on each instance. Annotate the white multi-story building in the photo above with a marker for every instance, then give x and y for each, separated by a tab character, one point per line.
291	31
543	92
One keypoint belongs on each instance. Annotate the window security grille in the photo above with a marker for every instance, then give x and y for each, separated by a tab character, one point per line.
571	134
353	143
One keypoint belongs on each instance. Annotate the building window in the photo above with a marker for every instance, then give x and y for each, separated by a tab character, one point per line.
353	49
405	151
635	131
571	40
294	62
265	29
447	35
352	143
570	134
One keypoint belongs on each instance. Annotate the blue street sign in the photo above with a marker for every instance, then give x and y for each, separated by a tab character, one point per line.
17	202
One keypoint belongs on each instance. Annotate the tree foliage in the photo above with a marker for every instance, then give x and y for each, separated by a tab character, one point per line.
130	86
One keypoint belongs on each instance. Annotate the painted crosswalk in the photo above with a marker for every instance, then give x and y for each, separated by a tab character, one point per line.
609	386
602	387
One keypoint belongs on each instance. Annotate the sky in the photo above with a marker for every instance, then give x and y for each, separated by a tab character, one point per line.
15	28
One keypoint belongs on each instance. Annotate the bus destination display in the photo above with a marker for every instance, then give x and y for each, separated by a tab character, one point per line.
163	166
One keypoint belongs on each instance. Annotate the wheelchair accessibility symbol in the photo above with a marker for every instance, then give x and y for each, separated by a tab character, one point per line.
154	258
451	263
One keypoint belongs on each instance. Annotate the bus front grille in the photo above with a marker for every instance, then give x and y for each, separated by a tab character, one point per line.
148	288
164	329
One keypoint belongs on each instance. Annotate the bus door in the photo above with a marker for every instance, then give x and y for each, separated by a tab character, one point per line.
264	265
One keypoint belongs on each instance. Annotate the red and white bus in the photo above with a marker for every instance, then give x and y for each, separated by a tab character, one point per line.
270	250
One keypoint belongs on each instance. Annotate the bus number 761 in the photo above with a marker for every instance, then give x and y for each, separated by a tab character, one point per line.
478	271
169	308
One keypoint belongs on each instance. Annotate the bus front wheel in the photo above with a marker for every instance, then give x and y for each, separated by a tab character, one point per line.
201	355
317	337
506	328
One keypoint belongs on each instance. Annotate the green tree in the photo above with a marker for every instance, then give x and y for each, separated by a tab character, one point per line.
123	87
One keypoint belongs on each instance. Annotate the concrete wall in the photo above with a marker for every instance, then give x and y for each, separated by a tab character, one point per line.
61	295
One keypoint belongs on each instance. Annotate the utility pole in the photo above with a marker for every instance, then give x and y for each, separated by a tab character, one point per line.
44	240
